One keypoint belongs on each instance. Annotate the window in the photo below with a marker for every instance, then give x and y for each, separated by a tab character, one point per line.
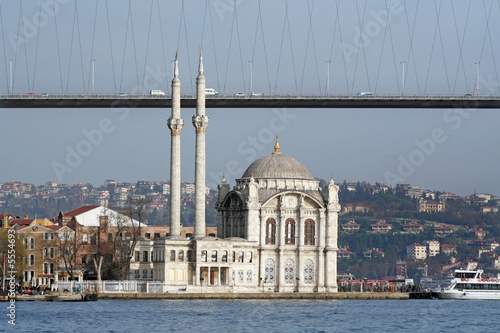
203	256
180	255
144	273
214	256
224	256
137	274
31	244
128	235
148	236
309	271
234	256
31	260
172	255
240	256
157	235
249	256
48	236
85	238
145	256
137	256
309	232
289	271
269	271
271	231
249	276
290	232
240	276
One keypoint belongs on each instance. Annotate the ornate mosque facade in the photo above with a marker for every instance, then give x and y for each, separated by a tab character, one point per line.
277	229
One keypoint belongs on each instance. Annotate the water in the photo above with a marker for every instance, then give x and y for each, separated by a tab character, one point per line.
255	316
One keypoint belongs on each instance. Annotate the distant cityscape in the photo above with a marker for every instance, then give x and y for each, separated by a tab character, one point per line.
384	232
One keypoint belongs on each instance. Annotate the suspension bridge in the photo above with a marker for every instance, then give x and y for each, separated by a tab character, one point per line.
258	54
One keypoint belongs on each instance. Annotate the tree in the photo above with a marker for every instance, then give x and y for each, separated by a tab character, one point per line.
9	249
127	232
68	243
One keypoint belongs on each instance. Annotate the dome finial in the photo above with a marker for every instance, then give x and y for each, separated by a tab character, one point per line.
277	147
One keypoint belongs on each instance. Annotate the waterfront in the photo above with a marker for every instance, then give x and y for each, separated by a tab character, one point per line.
256	316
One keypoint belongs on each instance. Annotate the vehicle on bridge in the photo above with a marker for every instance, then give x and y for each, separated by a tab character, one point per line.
210	92
364	93
157	93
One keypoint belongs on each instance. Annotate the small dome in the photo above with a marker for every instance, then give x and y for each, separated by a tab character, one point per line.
277	166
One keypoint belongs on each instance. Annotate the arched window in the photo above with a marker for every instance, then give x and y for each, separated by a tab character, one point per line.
290	232
180	255
289	271
309	232
214	256
309	271
145	255
271	231
240	256
224	256
203	256
269	272
172	255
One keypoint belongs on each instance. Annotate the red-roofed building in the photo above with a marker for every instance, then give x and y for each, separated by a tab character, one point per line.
448	249
443	231
344	254
355	208
430	206
413	227
373	253
381	227
480	233
489	209
351	226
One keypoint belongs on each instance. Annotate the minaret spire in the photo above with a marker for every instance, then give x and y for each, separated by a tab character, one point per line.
200	122
200	66
175	123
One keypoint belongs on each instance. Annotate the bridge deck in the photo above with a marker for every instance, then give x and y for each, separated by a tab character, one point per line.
281	101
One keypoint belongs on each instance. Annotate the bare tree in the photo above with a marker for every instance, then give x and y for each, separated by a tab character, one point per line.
68	244
128	232
13	253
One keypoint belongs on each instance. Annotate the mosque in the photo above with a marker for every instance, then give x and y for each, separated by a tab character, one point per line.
277	229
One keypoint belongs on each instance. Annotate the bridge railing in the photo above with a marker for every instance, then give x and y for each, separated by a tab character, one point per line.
263	97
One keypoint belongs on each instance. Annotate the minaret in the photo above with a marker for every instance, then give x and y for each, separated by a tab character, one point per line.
175	123
200	122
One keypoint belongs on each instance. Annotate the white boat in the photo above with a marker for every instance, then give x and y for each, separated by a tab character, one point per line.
469	285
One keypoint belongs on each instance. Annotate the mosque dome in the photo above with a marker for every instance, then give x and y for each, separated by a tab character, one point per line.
277	165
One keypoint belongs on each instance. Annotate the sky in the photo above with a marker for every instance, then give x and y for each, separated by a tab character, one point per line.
365	45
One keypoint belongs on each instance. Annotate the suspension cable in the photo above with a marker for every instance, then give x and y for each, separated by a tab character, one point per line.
25	50
265	49
411	33
147	46
36	47
214	48
58	50
92	46
239	46
229	53
111	46
162	41
460	46
4	51
341	45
